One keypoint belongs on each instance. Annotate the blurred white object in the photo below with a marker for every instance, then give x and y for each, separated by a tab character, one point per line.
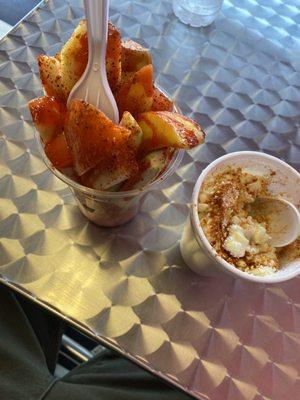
197	12
4	28
93	86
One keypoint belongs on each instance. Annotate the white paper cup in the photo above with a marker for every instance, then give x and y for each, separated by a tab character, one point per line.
195	248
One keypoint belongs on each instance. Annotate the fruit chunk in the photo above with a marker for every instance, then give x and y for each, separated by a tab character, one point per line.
161	102
136	94
60	73
150	167
130	123
95	141
134	56
58	152
113	56
74	56
48	116
50	74
163	129
106	179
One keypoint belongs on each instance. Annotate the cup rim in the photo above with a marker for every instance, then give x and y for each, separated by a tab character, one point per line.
169	169
201	237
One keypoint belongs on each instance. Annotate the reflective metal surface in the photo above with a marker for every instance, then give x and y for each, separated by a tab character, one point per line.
128	286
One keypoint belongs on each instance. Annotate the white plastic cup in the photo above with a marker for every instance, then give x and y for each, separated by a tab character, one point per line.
195	248
110	209
197	12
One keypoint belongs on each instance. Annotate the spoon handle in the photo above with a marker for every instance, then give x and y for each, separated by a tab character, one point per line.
96	12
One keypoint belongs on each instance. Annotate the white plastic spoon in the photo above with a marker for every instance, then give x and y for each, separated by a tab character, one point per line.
283	219
93	86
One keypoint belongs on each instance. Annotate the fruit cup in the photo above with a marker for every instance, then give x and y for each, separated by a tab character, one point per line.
105	155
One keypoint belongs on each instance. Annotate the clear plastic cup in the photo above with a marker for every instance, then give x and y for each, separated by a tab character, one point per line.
110	208
197	12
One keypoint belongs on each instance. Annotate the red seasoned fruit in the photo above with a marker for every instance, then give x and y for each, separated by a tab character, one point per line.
48	116
58	152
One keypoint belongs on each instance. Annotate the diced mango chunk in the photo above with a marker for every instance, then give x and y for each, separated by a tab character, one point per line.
161	102
48	116
166	129
60	73
113	56
94	140
50	74
58	152
134	56
136	94
74	56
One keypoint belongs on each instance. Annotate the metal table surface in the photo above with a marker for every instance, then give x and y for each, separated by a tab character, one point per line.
128	287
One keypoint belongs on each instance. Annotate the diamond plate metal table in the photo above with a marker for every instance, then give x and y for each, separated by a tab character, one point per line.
128	287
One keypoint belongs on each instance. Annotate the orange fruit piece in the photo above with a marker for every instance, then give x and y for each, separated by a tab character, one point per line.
113	56
48	116
95	140
50	74
136	94
161	102
58	152
134	56
168	129
60	73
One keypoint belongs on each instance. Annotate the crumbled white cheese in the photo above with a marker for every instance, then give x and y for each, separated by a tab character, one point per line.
236	242
246	238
